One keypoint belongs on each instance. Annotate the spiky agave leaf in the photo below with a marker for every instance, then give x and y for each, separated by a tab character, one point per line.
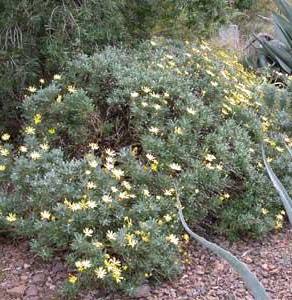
289	149
286	200
280	50
258	60
247	276
283	29
278	53
285	8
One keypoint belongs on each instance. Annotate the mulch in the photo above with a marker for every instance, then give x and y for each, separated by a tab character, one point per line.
23	276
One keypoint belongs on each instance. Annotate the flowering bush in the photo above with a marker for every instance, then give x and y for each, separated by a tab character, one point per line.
66	111
107	145
118	230
39	42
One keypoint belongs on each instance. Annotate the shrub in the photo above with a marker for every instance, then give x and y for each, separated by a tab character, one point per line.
278	100
35	44
205	16
170	118
244	4
286	200
120	226
63	114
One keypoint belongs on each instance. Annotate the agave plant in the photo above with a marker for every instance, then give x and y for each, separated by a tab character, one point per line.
275	52
251	281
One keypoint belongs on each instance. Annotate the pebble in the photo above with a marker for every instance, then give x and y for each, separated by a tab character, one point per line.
39	278
143	291
17	290
31	291
32	298
24	277
58	267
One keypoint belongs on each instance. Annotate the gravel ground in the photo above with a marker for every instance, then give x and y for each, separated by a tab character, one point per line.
205	277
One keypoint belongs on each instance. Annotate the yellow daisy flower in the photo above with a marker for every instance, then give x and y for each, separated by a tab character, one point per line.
72	279
11	217
45	215
5	137
100	272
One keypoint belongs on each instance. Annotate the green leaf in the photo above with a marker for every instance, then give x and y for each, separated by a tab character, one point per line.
248	277
281	55
285	8
287	201
289	149
283	29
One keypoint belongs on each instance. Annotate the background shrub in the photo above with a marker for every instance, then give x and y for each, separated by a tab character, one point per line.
205	17
37	37
244	4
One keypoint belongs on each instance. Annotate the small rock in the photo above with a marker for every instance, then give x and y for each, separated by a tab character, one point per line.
143	291
17	291
32	298
31	291
10	284
199	291
219	266
23	277
39	278
274	271
266	267
248	259
58	267
26	266
50	286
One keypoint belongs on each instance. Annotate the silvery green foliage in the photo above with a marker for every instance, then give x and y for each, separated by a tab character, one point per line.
286	200
159	100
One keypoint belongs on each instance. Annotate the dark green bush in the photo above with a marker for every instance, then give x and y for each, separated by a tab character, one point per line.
37	37
204	17
244	4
